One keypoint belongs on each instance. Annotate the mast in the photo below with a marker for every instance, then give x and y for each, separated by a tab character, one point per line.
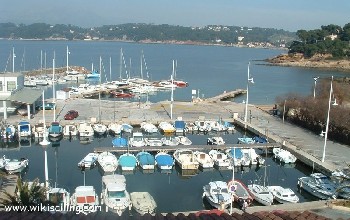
13	59
53	90
67	57
110	69
99	93
172	91
121	64
141	64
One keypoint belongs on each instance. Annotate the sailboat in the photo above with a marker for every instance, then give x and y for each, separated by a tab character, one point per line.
99	128
72	75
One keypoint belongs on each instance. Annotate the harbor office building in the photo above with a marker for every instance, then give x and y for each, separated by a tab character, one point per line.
14	95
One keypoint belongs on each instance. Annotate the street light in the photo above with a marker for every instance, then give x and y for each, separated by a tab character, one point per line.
315	78
250	80
325	133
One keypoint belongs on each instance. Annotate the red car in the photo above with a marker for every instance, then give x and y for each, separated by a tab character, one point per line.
71	114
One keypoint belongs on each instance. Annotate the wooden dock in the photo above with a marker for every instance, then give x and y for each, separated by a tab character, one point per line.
190	147
227	95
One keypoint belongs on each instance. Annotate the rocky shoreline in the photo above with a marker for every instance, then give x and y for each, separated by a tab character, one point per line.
317	61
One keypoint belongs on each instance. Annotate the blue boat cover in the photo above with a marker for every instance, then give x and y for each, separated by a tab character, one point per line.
258	139
237	152
127	160
55	128
145	158
165	160
120	142
180	124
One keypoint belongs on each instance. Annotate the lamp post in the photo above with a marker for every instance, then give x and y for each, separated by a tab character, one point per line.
315	78
250	80
325	133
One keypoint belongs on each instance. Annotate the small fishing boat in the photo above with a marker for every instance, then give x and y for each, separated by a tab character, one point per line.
115	128
237	156
3	162
154	142
180	126
55	130
127	162
166	127
169	141
145	160
246	140
215	141
89	161
100	129
114	194
204	160
164	161
85	130
283	156
217	194
183	140
240	193
253	158
93	75
9	133
16	166
137	140
119	142
127	128
148	127
283	195
202	126
186	159
220	159
143	202
70	130
85	196
24	129
108	162
261	194
59	197
318	185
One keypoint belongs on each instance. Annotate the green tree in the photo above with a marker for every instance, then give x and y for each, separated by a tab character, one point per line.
28	194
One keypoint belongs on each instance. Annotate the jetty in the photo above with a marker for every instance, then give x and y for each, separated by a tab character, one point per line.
226	95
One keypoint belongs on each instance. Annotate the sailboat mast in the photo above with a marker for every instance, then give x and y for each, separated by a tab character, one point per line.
67	57
172	91
53	90
13	59
110	69
141	64
99	93
121	64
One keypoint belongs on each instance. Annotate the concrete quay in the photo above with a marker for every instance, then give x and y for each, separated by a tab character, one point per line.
9	185
307	146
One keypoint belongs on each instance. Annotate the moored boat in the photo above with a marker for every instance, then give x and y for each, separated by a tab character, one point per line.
119	142
145	160
261	194
220	158
283	156
88	161
164	161
283	195
127	162
215	141
85	196
108	162
318	185
217	194
16	166
204	160
240	193
186	159
24	129
143	202
55	130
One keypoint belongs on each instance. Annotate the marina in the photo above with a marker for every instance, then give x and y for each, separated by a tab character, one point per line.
64	154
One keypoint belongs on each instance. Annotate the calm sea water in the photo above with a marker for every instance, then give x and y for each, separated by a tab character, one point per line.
209	69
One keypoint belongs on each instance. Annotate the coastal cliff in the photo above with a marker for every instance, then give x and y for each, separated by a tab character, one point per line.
317	61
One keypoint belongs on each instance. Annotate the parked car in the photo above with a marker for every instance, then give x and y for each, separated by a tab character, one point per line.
48	106
71	114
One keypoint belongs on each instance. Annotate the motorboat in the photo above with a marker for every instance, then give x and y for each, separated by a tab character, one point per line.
89	161
164	161
260	140
216	126
217	194
166	127
183	140
261	194
85	196
283	195
100	129
59	196
127	128
220	159
115	128
137	140
191	127
169	141
148	127
204	160
246	140
73	75
70	130
108	162
202	126
114	194
154	142
9	133
180	126
24	129
236	154
55	130
215	141
93	75
283	156
119	142
228	125
251	155
145	160
16	166
127	162
85	130
318	185
240	192
185	159
3	162
143	202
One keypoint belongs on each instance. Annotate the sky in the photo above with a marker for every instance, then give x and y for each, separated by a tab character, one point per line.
291	15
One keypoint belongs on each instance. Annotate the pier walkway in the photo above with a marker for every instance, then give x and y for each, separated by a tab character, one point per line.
226	95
